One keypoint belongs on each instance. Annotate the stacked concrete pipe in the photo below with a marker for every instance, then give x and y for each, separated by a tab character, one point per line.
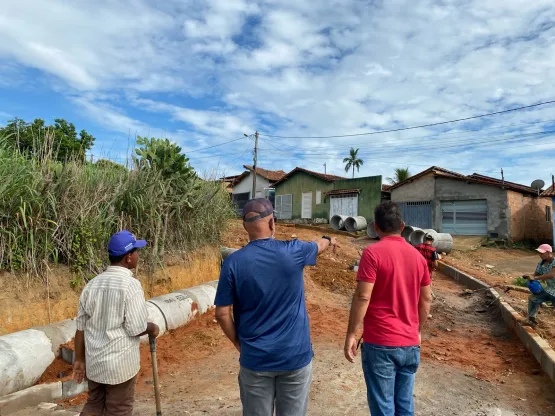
354	224
443	242
407	232
338	222
25	355
417	236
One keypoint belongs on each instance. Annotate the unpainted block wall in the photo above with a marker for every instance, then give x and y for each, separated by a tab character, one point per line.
528	218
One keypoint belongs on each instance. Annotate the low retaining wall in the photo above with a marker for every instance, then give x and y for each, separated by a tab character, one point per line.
536	345
25	355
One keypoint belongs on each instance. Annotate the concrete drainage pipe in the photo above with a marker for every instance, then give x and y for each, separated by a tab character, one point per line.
407	231
371	231
354	224
444	243
417	237
25	355
338	222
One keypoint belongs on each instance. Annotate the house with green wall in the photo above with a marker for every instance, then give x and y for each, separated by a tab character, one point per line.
316	197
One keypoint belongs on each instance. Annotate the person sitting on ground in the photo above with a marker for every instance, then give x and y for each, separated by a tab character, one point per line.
260	306
393	296
545	270
111	319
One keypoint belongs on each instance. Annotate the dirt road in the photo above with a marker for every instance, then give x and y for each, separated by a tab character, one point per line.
470	364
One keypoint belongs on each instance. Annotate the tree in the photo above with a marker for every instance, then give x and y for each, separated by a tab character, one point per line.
401	175
58	141
353	161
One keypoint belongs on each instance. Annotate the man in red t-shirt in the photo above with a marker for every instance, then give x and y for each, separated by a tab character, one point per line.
393	295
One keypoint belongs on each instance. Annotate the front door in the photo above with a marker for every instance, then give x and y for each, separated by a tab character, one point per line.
307	205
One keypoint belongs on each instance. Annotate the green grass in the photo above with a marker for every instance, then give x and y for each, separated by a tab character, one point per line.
52	212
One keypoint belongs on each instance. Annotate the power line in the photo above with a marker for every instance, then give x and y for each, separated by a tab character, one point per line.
414	127
460	135
216	145
434	146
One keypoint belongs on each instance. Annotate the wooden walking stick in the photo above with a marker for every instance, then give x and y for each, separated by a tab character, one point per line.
152	342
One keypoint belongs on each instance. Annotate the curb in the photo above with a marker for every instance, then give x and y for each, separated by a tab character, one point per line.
40	393
536	345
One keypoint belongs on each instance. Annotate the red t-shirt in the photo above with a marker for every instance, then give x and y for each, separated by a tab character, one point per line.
397	271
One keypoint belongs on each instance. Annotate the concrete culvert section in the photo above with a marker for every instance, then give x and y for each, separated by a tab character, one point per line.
354	224
417	236
371	231
24	356
407	231
338	222
444	243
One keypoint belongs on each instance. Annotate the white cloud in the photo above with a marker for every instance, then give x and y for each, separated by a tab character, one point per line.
213	70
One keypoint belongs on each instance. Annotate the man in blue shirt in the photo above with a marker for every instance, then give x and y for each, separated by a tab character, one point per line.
260	305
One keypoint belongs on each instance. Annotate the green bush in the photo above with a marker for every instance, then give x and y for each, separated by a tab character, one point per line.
65	212
520	281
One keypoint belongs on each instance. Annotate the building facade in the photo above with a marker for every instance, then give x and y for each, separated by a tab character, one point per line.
308	196
474	205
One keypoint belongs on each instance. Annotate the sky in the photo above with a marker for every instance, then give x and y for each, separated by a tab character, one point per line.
207	73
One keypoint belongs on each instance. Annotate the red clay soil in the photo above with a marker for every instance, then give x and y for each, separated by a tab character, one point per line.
78	400
518	300
53	371
464	333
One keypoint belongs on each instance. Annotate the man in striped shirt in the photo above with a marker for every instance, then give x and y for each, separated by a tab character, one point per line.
111	319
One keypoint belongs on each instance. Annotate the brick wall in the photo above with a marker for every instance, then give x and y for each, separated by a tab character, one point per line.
528	218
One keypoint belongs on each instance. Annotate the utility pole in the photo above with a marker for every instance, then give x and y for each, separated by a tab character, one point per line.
325	169
254	165
502	177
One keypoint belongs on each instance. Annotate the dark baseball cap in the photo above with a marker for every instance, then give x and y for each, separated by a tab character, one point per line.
123	242
261	206
429	237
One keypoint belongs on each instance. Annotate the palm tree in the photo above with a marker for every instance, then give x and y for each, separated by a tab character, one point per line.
353	161
401	175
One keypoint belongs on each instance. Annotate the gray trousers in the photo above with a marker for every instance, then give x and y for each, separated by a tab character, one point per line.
286	391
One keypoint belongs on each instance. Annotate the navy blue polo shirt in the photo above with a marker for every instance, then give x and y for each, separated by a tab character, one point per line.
264	283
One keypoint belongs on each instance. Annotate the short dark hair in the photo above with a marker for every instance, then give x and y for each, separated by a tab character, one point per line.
117	259
388	217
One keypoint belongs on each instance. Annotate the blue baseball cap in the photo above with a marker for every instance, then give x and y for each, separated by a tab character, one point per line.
123	242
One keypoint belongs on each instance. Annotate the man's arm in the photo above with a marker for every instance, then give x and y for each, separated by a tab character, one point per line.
323	244
152	330
224	317
359	306
79	371
424	304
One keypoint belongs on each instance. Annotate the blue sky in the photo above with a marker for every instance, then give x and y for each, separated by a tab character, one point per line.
203	73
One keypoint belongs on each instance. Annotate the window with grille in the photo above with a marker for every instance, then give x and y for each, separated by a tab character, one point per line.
548	214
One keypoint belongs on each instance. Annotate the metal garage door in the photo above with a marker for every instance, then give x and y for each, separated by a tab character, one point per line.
344	205
464	217
417	214
284	207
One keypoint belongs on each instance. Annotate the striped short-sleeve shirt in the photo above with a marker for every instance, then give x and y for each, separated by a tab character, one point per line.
112	313
544	268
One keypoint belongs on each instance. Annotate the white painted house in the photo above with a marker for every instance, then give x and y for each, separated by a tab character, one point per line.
242	185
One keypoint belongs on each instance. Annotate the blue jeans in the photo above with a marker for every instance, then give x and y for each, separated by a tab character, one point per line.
389	373
534	302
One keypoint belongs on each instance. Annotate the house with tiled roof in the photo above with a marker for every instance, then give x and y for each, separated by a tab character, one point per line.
241	187
476	204
308	196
